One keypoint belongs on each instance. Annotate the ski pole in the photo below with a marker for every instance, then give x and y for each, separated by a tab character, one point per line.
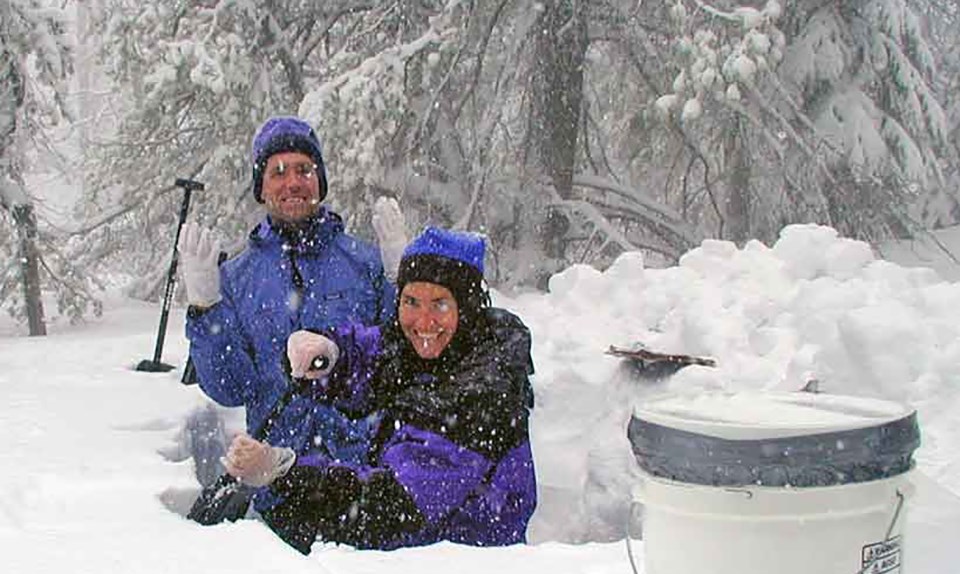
155	365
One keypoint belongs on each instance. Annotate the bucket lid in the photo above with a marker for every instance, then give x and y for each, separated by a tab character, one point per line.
756	415
773	439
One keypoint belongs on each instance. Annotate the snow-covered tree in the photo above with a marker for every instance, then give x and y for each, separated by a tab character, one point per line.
490	135
198	79
423	100
567	131
942	19
428	105
866	78
790	111
195	80
35	63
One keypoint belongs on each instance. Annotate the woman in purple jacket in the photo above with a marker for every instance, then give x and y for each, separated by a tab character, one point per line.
448	385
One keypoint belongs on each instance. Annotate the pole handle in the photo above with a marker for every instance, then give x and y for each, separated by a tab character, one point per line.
189	184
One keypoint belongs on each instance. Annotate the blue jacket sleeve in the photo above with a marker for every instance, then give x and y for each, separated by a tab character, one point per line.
225	367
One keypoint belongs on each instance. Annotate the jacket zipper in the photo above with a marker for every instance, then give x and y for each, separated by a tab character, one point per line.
298	286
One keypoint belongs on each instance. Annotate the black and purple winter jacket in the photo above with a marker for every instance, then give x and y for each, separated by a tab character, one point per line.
450	459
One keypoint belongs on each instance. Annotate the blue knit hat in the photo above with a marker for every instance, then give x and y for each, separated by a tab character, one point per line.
453	259
281	134
457	245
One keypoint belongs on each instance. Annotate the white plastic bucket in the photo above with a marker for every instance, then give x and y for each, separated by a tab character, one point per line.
852	526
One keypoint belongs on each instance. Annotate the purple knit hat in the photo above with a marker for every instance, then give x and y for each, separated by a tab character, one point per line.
280	134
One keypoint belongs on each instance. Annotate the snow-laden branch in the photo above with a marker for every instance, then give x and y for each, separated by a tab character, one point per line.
699	155
633	195
595	218
316	39
665	219
611	235
745	15
436	92
782	122
110	215
312	104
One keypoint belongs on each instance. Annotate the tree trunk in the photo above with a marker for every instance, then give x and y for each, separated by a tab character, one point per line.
29	256
561	48
561	45
737	206
12	92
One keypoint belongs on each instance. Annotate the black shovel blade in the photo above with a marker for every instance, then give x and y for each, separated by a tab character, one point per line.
225	499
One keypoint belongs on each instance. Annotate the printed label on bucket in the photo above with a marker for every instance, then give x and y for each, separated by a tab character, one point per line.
881	557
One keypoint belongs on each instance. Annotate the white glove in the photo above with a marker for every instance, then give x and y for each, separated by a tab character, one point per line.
199	251
391	233
311	356
257	463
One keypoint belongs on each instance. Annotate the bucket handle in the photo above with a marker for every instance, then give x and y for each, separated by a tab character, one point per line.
637	499
638	492
893	523
626	528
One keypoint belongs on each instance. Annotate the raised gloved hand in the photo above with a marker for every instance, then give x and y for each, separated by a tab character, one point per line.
257	463
391	234
311	355
199	251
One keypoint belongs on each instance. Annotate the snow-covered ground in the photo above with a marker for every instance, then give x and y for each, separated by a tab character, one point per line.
96	473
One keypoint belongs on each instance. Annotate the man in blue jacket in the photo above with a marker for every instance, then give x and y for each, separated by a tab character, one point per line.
299	269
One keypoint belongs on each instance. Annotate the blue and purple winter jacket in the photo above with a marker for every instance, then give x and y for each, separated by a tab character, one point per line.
450	457
319	277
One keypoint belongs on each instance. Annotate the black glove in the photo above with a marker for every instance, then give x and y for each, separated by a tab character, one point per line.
387	512
296	520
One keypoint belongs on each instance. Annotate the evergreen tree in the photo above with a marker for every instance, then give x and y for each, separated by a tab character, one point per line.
800	112
866	76
35	63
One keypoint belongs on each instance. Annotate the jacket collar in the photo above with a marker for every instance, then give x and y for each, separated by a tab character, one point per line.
313	237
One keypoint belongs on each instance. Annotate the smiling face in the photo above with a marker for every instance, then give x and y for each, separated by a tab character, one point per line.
291	188
428	317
